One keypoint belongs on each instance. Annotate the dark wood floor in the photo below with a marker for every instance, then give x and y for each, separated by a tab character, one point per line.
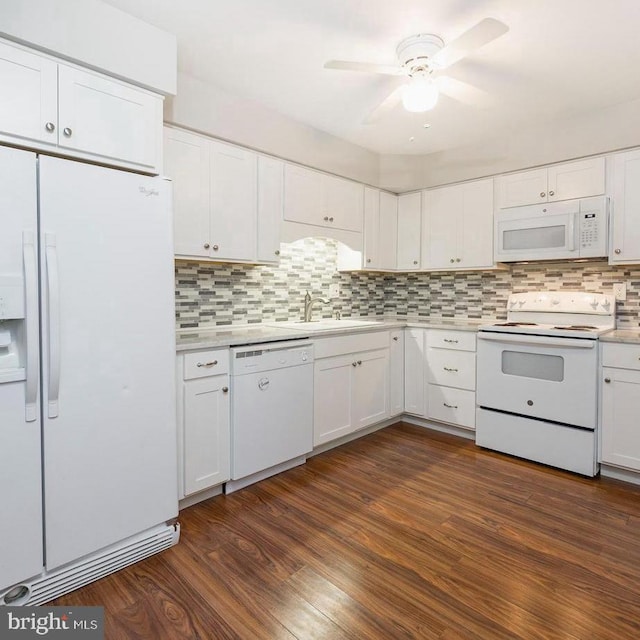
405	533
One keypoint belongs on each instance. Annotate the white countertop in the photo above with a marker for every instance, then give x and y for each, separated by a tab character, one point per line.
630	336
216	336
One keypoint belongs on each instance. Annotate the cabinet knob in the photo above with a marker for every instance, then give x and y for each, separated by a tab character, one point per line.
68	132
277	252
206	245
607	380
395	338
457	259
452	260
225	389
552	193
354	364
542	194
331	219
359	361
326	218
618	252
415	262
368	260
50	127
215	247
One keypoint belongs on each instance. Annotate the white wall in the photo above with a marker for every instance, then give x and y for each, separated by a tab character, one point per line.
213	111
96	35
606	130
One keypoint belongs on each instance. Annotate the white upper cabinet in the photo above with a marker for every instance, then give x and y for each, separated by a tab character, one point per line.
580	179
233	180
625	220
388	237
409	220
52	106
270	204
215	198
322	200
371	256
458	226
105	117
29	104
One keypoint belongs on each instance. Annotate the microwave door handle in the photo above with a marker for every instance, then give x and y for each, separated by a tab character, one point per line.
571	231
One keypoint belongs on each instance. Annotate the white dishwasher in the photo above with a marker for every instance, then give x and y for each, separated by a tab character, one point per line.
271	409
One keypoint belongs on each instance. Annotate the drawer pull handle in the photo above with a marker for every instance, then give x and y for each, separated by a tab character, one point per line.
450	370
451	341
450	406
207	364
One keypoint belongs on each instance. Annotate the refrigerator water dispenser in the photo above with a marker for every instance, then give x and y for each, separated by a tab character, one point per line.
9	358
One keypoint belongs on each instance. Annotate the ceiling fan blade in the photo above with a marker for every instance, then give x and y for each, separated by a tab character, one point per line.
484	32
386	106
464	92
366	67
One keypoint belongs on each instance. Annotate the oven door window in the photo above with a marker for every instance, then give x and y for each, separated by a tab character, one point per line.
552	237
533	365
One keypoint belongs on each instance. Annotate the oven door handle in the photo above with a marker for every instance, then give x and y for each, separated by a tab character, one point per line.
537	341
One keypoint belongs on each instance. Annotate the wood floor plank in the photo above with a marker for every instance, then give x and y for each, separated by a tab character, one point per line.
406	533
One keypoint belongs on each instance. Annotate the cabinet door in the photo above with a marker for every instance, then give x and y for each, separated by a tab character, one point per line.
370	388
332	406
443	210
581	179
233	202
186	162
344	204
526	187
206	433
106	118
371	228
475	225
29	95
414	372
625	221
304	195
270	202
396	372
388	244
620	426
409	220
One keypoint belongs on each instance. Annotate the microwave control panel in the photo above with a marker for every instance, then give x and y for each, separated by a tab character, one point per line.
593	241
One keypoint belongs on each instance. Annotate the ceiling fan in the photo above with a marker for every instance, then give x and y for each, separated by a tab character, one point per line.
421	58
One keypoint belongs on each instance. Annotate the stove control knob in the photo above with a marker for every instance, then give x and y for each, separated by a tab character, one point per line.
606	305
555	301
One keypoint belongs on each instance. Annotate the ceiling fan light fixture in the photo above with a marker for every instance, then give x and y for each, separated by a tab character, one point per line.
420	94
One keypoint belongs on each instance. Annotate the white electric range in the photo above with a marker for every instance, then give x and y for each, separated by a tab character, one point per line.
537	386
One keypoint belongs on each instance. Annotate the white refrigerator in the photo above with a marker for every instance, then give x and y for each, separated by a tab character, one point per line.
88	479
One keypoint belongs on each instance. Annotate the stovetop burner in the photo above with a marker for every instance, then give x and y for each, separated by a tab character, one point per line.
576	327
515	324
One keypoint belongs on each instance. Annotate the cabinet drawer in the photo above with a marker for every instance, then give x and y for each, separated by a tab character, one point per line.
624	356
455	406
444	339
452	368
200	364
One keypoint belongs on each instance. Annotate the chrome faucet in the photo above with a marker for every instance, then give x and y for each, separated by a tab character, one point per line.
308	305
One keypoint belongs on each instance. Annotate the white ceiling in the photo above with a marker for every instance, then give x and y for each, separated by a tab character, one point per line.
560	58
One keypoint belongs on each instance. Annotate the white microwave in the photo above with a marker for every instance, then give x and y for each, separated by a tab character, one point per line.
565	230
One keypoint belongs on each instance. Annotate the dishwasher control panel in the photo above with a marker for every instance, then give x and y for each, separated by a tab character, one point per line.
273	355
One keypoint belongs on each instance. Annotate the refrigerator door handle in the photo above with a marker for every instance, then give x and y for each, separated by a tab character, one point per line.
30	266
53	298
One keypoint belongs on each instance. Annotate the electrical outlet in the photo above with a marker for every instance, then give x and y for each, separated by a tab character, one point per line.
334	290
620	290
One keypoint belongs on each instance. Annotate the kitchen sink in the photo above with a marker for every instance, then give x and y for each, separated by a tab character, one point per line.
323	325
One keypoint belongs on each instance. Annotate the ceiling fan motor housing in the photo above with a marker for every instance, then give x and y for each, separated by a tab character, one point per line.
414	52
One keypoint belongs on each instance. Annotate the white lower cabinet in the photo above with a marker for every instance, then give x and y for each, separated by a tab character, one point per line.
351	384
620	427
203	420
451	377
414	371
396	372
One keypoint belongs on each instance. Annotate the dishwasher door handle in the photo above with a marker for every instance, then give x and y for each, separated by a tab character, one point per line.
263	383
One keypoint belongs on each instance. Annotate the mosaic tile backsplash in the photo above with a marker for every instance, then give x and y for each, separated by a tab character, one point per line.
224	294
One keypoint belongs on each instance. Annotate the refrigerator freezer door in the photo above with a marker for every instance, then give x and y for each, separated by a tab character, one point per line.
108	356
20	450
